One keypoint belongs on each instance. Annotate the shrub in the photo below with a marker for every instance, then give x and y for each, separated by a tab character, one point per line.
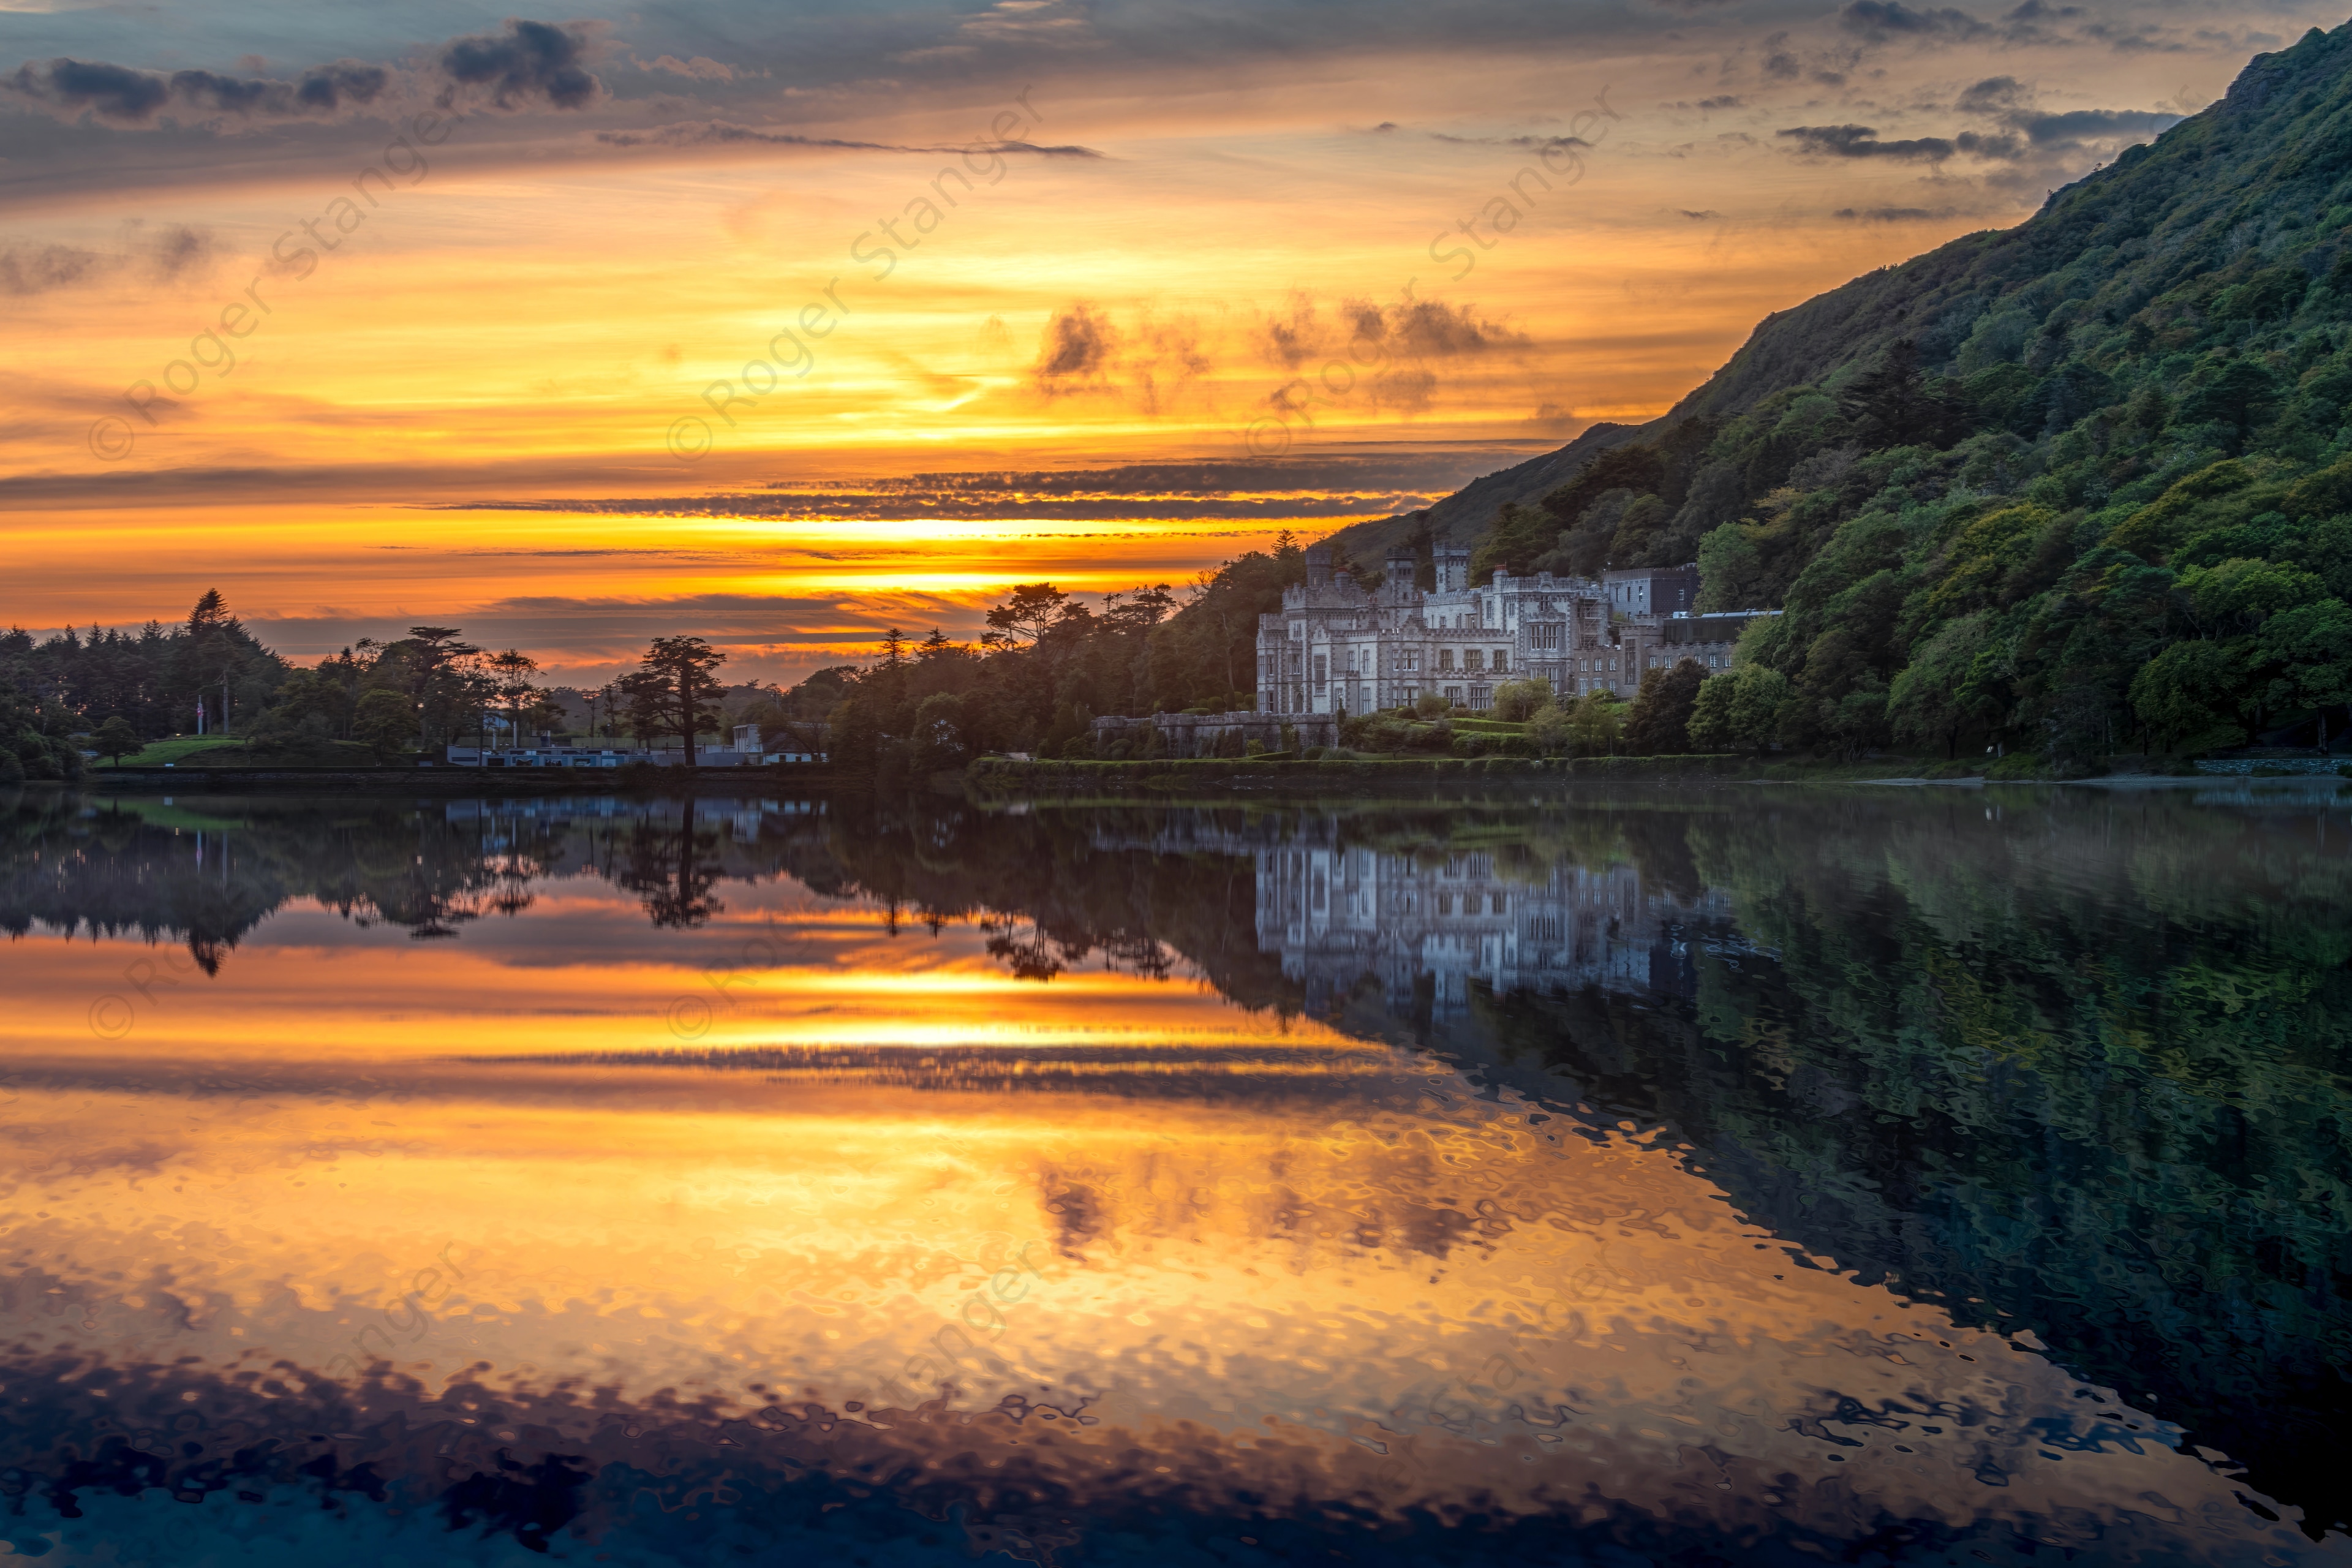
1516	701
1595	724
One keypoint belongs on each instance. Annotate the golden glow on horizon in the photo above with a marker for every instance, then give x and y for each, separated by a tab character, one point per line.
584	591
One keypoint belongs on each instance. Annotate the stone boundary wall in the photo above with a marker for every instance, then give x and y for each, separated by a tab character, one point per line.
1199	735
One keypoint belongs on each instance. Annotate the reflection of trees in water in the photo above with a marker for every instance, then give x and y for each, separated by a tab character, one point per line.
1022	947
1033	953
2081	1066
674	865
2081	1070
207	875
1048	901
106	874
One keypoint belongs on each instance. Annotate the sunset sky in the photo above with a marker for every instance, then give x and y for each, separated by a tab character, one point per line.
370	315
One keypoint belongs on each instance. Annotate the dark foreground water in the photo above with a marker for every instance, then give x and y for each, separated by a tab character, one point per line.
1736	1177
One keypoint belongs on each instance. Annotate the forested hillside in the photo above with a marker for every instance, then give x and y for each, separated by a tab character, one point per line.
2081	486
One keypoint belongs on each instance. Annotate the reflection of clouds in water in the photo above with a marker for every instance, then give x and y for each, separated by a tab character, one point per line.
1286	1276
1266	1309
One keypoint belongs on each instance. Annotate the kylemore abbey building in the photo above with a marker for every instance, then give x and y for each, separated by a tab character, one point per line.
1336	648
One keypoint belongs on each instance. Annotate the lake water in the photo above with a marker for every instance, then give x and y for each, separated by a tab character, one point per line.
1895	1175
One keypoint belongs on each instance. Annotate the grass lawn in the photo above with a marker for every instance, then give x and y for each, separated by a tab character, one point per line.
159	814
179	748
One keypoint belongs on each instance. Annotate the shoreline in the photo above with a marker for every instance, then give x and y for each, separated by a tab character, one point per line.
450	781
999	778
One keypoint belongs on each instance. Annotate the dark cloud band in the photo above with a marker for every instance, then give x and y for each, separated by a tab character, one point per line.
531	65
721	133
117	95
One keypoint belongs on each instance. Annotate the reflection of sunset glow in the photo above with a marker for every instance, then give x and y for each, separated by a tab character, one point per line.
803	1235
320	985
822	1150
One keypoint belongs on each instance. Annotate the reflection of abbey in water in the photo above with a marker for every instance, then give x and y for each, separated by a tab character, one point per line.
1340	915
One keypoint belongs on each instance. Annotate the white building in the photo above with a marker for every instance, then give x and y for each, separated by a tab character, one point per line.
1334	648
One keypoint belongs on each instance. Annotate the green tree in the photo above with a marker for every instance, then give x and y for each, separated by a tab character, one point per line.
1547	727
1026	618
1929	701
853	736
116	738
1730	569
1659	722
672	693
1988	557
1519	534
2188	693
510	674
2240	394
213	652
1595	725
1900	404
2236	596
436	670
1740	709
939	733
384	721
2309	648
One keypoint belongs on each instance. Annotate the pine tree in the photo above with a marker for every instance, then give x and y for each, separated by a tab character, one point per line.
1898	406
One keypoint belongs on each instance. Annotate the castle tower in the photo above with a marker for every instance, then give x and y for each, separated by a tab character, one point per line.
1402	566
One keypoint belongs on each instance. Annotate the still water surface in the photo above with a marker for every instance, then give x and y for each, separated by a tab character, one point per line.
1883	1176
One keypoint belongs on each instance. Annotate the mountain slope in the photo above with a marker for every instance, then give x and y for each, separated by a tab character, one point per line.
2071	485
1465	513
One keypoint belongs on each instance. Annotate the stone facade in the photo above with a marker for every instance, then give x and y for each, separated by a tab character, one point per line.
1335	649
